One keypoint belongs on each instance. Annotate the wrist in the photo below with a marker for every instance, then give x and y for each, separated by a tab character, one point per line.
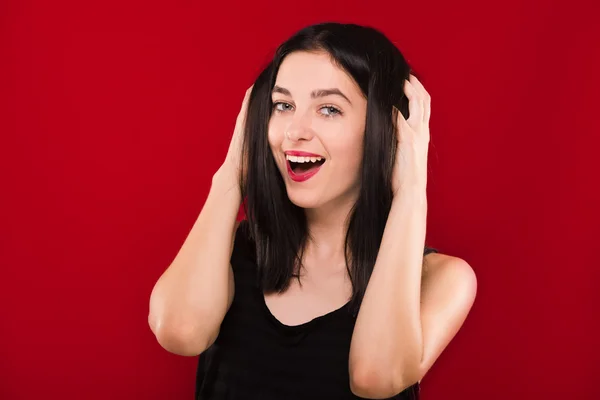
224	197
226	179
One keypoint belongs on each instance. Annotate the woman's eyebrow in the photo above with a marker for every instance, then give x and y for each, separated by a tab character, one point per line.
315	93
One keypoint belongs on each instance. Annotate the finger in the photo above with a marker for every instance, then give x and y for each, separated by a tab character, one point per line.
424	95
418	86
415	105
247	95
427	112
245	101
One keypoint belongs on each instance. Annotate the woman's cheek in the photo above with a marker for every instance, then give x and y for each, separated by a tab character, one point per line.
272	136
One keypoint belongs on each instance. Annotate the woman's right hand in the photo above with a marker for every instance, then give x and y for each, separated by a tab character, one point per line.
232	167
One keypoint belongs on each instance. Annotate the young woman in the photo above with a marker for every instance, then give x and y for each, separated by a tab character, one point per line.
326	290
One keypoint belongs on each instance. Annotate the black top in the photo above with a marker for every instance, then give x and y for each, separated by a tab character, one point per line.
256	356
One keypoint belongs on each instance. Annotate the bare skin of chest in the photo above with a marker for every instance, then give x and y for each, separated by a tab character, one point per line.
322	292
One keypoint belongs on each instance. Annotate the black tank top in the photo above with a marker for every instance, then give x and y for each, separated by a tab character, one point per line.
255	356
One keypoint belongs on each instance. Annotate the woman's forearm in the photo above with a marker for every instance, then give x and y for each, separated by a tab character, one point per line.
191	298
387	342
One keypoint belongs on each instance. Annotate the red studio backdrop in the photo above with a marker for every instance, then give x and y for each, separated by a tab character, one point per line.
114	116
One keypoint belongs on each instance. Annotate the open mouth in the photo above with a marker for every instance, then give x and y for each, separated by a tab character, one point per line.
302	168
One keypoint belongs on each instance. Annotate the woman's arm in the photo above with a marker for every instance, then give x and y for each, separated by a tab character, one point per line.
407	317
190	299
404	322
387	337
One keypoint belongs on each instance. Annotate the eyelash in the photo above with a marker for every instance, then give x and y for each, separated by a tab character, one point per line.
337	110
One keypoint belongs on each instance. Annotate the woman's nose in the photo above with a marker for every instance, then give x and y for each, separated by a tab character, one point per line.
299	131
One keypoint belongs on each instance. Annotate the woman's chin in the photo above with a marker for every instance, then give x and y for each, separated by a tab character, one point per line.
305	200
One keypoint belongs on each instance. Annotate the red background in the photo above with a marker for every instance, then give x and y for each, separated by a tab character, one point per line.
114	116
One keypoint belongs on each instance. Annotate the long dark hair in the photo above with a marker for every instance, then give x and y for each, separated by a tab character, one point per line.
278	227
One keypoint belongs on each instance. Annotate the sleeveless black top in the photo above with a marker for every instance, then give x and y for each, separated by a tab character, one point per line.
255	356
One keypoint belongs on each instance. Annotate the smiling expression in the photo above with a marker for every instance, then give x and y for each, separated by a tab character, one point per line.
316	129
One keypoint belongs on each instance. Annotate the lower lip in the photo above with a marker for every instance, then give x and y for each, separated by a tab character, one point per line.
302	177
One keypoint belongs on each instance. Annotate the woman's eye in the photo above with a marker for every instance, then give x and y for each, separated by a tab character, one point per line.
331	111
277	107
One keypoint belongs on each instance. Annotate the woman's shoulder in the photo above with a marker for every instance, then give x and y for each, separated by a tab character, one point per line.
440	266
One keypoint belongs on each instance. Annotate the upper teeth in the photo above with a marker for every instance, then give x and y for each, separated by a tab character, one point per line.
297	159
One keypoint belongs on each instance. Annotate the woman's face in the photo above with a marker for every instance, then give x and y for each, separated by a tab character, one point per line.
318	112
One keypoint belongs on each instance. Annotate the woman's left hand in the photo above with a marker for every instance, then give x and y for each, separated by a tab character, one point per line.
410	165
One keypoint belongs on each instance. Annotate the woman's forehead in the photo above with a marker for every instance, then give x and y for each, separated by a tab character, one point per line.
301	73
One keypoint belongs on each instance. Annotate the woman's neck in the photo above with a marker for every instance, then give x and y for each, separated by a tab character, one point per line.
327	227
